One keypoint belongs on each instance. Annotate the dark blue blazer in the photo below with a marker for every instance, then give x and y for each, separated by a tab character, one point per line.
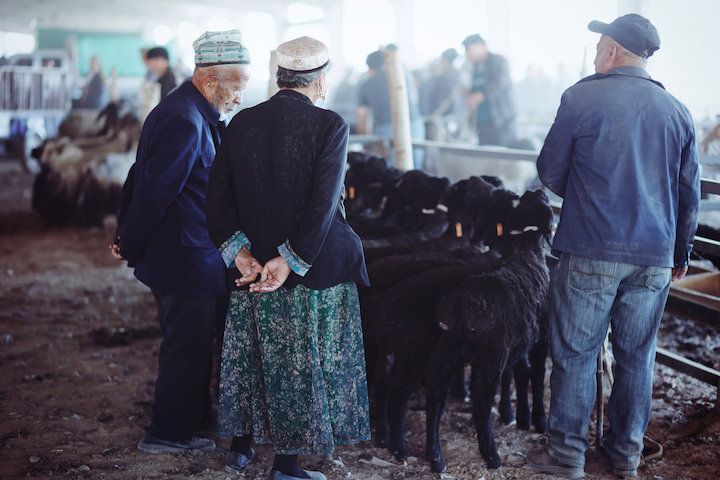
161	218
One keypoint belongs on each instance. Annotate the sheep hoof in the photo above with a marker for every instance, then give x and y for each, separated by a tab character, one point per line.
494	462
438	466
507	418
541	425
523	424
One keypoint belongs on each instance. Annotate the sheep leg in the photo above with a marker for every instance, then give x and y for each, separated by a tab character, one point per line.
482	390
396	408
505	407
381	385
537	356
439	380
521	372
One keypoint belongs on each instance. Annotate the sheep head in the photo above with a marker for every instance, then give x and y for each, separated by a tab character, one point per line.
530	219
496	212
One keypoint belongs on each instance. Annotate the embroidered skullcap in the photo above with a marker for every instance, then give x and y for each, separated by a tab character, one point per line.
303	55
220	48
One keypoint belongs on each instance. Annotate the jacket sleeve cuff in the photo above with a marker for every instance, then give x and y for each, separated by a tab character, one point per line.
294	261
232	247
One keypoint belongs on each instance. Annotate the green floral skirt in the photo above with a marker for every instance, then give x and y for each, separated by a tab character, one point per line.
293	369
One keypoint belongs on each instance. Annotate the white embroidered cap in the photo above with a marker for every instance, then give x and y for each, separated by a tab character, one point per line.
303	55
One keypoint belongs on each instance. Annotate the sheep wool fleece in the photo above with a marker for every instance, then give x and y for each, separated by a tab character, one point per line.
293	369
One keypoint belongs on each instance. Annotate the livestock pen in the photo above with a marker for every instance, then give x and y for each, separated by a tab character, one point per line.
517	169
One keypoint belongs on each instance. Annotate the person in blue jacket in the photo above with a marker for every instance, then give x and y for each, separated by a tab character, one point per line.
293	363
162	232
623	156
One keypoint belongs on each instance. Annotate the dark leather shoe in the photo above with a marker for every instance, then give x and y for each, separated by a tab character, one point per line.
150	444
236	462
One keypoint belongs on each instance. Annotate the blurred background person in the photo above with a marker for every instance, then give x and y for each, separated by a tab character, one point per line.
374	112
158	62
489	93
95	92
149	94
440	96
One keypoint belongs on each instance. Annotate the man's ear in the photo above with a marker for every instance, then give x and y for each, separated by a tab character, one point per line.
211	82
613	52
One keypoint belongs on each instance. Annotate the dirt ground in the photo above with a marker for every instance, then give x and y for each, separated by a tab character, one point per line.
78	359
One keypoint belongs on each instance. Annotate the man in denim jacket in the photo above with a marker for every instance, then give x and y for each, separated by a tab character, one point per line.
622	155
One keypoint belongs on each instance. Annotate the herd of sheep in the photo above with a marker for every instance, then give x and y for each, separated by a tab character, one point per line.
458	276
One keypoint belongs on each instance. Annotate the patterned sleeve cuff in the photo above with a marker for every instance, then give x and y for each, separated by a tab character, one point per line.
296	263
232	247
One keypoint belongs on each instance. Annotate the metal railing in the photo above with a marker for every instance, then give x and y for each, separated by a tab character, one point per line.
34	89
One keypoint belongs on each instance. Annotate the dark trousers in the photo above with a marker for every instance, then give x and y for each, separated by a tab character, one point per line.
182	391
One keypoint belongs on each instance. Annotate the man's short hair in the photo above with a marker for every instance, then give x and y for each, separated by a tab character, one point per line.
292	79
449	55
376	60
472	40
158	52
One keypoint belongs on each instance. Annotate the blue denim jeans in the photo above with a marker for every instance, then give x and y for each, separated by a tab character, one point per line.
586	295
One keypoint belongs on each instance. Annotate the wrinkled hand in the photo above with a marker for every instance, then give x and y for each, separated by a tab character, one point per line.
273	275
678	273
115	251
248	266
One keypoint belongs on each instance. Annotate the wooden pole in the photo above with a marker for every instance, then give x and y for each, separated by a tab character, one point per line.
400	110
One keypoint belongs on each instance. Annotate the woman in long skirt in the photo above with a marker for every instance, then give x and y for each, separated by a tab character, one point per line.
293	366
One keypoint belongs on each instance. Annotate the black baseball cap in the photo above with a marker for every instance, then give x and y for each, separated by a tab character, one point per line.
632	31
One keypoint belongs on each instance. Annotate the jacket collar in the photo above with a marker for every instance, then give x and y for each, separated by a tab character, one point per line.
206	110
293	95
626	70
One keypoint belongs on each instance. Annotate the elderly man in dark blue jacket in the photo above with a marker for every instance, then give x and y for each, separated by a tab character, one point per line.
162	232
622	155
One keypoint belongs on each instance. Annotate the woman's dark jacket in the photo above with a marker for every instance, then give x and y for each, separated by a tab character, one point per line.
278	178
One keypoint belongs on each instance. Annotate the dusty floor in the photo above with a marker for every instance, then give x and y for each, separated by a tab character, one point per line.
78	348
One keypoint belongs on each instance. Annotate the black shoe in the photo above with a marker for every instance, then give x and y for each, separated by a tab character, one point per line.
236	462
150	444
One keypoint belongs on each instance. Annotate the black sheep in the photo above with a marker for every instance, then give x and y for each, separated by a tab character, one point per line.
402	207
399	325
368	180
493	320
479	207
450	206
